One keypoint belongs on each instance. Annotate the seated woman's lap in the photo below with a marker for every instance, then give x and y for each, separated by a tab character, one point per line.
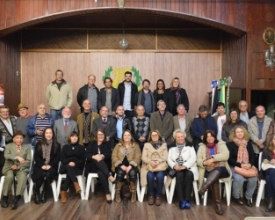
223	172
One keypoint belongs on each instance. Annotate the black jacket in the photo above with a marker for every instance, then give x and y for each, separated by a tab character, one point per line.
121	90
233	150
92	149
141	100
169	98
114	98
126	124
82	95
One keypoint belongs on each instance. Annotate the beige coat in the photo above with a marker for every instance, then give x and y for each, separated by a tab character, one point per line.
150	153
253	131
80	125
222	156
188	122
133	156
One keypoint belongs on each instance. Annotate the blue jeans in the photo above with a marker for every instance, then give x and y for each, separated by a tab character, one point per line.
56	114
159	176
270	182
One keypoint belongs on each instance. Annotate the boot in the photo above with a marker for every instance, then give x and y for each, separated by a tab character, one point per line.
212	178
133	189
63	196
15	202
43	196
37	196
270	206
77	187
117	195
216	195
4	203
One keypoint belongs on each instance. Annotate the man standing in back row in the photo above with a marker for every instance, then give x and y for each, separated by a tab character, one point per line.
59	95
127	91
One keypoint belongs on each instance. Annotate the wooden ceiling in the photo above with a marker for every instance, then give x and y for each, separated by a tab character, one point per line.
118	18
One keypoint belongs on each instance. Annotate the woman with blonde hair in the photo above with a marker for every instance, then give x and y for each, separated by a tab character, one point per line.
241	162
154	156
268	158
182	162
126	159
212	163
174	96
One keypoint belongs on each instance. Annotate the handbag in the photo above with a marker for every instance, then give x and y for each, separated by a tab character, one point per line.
267	165
161	167
171	172
246	173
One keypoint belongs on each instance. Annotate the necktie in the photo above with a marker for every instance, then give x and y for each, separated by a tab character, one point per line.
66	126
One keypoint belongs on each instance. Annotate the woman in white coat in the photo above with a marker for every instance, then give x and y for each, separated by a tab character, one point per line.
182	163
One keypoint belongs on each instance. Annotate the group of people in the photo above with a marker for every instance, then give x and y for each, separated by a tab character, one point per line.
125	132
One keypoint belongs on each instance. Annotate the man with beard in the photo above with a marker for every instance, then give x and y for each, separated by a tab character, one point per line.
64	126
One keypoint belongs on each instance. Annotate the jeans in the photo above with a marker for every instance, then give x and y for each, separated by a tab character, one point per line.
238	184
270	182
159	177
56	114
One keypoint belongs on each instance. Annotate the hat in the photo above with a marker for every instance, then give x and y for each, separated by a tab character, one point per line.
21	105
18	132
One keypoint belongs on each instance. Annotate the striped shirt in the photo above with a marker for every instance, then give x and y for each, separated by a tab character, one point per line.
179	160
41	124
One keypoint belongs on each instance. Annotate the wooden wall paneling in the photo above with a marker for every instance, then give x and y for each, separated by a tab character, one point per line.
10	70
234	59
195	70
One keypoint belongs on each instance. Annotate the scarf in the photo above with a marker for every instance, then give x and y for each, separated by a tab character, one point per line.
46	149
179	159
156	145
211	150
243	156
86	128
177	94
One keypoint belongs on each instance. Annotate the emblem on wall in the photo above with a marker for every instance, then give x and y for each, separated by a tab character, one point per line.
117	74
269	36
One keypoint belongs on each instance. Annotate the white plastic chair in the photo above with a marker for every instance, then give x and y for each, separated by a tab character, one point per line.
260	194
25	196
80	179
91	184
143	189
228	183
170	193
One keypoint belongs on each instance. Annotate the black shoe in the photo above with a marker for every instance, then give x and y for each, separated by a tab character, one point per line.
37	197
239	201
270	206
249	203
43	197
4	203
15	202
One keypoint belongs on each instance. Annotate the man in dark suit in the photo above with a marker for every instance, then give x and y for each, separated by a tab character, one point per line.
64	126
122	123
90	92
109	97
17	163
244	114
201	124
127	91
107	123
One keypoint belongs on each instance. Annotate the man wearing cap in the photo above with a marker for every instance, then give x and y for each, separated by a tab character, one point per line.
7	128
59	95
64	126
22	121
17	163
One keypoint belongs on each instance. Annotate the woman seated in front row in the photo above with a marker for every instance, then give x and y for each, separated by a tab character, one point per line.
154	157
212	163
98	156
241	162
46	157
72	163
182	162
268	158
126	159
